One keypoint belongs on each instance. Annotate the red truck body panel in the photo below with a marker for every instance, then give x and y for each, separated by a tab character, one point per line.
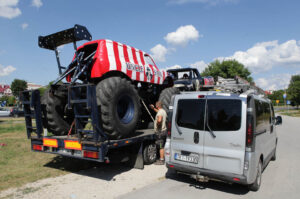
114	56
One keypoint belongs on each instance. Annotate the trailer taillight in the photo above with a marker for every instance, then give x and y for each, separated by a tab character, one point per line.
91	154
37	147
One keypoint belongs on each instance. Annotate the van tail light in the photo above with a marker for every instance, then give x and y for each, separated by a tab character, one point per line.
169	128
249	133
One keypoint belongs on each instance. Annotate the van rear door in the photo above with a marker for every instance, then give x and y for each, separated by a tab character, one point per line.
187	135
225	135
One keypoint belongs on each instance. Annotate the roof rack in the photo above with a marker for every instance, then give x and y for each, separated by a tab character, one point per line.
238	85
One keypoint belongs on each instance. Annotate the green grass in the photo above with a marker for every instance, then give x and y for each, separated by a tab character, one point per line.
19	165
292	113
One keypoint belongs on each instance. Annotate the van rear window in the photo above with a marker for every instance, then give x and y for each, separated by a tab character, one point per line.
190	113
224	114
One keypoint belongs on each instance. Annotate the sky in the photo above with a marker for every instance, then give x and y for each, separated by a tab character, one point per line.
262	35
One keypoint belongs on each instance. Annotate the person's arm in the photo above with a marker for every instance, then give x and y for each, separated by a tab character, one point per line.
153	108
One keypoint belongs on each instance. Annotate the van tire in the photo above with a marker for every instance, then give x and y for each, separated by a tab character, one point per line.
119	106
256	185
150	153
166	95
274	155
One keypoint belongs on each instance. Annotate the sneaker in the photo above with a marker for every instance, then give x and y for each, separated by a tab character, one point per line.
159	162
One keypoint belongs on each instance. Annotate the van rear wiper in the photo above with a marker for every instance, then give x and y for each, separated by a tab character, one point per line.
210	131
206	121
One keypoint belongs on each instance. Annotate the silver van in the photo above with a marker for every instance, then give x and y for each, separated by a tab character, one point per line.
214	135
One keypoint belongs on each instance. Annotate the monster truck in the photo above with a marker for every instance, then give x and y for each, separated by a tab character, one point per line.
189	79
124	77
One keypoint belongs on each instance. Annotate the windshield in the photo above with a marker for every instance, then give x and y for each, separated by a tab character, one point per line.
180	75
148	60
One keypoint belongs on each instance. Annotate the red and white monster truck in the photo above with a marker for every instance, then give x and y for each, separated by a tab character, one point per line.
123	75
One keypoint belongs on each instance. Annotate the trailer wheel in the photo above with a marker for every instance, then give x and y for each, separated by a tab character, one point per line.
58	121
120	107
150	153
166	95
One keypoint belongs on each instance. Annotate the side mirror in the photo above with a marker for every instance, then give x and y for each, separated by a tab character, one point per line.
278	120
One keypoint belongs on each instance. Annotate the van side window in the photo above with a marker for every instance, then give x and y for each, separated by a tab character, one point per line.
224	114
190	113
263	115
272	114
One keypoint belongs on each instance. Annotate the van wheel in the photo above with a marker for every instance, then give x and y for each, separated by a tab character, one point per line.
255	186
150	153
274	155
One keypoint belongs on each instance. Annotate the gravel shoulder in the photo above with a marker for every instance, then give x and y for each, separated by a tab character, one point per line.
103	181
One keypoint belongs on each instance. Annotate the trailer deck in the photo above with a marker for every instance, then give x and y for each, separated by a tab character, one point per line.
85	144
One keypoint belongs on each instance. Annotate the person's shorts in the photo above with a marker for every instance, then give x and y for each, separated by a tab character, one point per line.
161	139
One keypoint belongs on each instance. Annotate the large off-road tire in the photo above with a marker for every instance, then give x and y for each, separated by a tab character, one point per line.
58	121
166	95
120	107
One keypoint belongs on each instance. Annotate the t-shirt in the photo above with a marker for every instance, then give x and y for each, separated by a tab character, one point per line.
162	127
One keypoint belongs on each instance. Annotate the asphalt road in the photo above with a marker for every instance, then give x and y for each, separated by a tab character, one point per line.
281	179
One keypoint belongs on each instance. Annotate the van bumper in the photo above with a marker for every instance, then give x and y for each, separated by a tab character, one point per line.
223	176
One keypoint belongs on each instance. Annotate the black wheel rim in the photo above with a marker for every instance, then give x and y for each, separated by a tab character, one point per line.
125	109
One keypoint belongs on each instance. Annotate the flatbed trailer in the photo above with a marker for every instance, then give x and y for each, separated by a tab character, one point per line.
93	145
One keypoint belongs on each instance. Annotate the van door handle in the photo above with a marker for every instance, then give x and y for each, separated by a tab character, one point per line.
196	137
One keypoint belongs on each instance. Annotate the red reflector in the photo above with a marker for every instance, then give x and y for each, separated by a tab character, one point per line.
169	128
172	166
200	96
249	135
37	147
236	179
91	154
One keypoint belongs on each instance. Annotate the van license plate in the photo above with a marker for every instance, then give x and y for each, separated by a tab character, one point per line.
185	158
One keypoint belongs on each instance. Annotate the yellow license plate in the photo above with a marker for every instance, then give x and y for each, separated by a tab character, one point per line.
69	144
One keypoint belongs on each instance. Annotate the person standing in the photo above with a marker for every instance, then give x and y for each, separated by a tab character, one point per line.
160	130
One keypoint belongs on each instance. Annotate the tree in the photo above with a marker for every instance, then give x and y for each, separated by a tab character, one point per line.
277	95
17	86
227	69
293	90
10	100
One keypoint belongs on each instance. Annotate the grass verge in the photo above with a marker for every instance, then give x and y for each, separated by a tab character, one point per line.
19	165
292	113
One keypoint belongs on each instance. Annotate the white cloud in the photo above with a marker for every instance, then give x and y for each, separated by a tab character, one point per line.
209	2
9	9
265	55
24	26
173	67
200	65
275	82
5	71
183	35
159	52
37	3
